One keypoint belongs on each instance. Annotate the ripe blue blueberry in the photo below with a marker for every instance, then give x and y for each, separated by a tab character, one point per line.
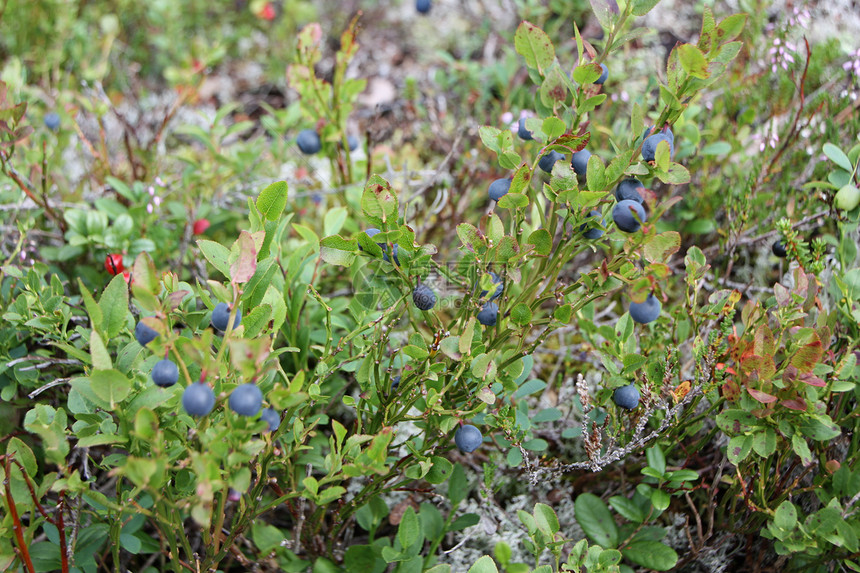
144	334
603	76
424	297
272	418
165	373
468	438
221	316
647	311
590	232
649	148
778	249
308	141
246	399
352	142
579	161
499	188
547	161
395	382
667	132
626	397
496	280
524	133
489	314
629	190
422	6
623	215
52	121
198	399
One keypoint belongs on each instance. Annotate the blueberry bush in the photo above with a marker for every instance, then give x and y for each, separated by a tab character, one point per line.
372	287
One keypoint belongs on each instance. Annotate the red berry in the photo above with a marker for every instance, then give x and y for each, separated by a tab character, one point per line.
200	226
268	12
113	264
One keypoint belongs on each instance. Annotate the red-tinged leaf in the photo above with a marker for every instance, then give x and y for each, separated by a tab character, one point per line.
807	357
763	341
812	380
762	397
245	264
573	142
174	299
789	375
799	404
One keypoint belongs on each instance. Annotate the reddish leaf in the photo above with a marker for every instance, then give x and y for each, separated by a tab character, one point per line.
813	380
807	356
799	404
762	397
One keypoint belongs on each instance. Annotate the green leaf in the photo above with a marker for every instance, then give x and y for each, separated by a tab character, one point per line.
143	273
764	442
627	508
642	7
596	521
110	385
458	486
542	241
266	537
99	352
731	27
553	128
838	157
546	519
521	314
513	201
217	254
659	248
441	470
587	73
379	202
716	148
407	532
820	428
801	448
785	516
595	174
484	565
651	555
693	61
603	11
335	250
272	200
739	448
534	46
656	459
553	89
660	499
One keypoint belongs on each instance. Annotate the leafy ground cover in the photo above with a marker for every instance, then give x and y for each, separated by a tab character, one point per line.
432	286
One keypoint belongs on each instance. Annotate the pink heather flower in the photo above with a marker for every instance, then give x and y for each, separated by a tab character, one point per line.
149	208
157	201
799	17
852	66
151	190
159	182
507	118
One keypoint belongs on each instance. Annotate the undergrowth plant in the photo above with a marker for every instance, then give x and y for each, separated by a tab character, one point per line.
323	394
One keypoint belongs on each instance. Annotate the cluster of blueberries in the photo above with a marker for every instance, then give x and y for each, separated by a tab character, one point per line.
198	399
